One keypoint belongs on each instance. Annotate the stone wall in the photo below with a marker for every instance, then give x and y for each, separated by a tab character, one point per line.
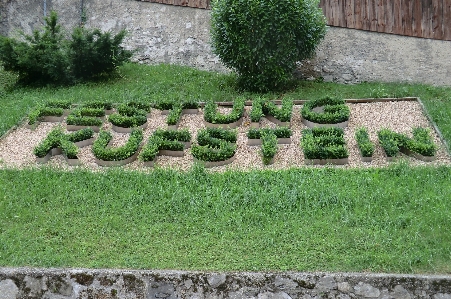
122	284
172	34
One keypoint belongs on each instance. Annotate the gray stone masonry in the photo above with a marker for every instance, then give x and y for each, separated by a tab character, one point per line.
180	35
24	283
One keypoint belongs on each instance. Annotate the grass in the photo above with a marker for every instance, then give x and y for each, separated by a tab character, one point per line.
382	220
299	219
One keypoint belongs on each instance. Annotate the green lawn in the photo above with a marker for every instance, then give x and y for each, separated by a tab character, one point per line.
394	219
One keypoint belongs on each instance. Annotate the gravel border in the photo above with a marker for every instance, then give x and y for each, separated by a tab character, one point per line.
16	148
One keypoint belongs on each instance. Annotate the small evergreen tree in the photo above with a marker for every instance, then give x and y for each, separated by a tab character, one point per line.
92	52
47	57
41	57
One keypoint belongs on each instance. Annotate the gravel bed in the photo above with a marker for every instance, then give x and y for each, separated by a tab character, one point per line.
16	149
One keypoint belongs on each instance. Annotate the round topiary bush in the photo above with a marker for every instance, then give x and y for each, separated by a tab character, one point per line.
263	39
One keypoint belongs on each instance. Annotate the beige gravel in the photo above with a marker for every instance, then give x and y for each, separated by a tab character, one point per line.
16	149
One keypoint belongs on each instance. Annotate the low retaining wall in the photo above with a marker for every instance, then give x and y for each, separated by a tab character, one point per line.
121	284
181	35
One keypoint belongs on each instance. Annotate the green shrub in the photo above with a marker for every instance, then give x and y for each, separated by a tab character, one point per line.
324	143
390	142
174	115
257	109
128	117
175	135
139	105
92	52
151	149
85	116
40	57
335	111
215	144
279	132
48	57
283	113
171	145
164	140
50	111
87	111
80	135
421	143
262	40
58	104
41	111
51	141
212	135
33	116
172	139
83	121
69	149
366	147
102	152
225	150
57	138
269	146
212	115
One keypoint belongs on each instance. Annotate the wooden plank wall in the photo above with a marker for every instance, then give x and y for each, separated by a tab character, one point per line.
190	3
420	18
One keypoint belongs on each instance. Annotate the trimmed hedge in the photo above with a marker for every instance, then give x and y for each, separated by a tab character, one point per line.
169	104
86	116
212	136
88	111
70	150
390	142
174	135
324	143
83	121
164	140
212	115
222	152
174	115
257	109
53	140
33	116
139	105
128	117
422	142
80	135
101	150
366	147
283	113
172	139
269	146
151	149
335	111
280	132
63	104
51	108
215	144
393	142
57	138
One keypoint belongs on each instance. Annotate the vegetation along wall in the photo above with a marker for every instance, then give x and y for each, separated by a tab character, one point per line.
180	34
